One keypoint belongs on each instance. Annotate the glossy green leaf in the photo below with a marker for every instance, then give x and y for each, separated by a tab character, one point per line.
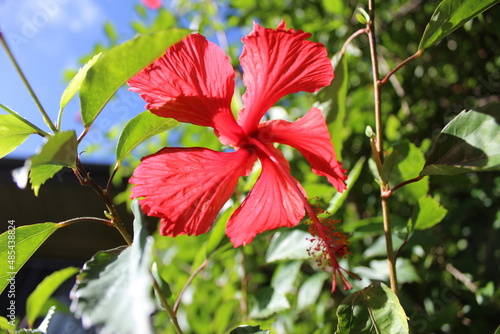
339	198
468	143
27	239
138	129
118	65
249	330
374	309
288	245
44	290
404	163
451	15
13	132
113	289
331	101
75	83
427	213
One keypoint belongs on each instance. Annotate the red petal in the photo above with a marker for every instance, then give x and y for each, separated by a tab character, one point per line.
310	136
153	4
193	83
273	202
188	187
278	62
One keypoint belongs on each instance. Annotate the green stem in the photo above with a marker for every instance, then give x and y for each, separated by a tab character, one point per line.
82	219
378	147
25	121
46	117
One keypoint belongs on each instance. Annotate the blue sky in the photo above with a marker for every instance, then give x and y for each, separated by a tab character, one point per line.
47	37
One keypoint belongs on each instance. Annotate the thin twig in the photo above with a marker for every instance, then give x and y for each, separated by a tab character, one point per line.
82	219
190	279
349	40
389	192
403	63
46	117
171	312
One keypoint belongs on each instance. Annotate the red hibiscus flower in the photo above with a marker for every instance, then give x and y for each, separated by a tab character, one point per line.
194	83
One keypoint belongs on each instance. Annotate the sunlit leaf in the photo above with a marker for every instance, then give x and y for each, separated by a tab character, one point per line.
310	290
427	213
5	326
39	174
13	132
289	245
59	151
331	101
138	129
118	65
266	302
469	142
451	15
75	83
374	309
44	290
113	289
27	239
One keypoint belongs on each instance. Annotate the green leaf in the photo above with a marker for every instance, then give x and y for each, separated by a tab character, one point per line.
44	290
310	290
451	15
13	132
468	143
113	289
426	214
27	239
119	64
40	174
404	163
249	330
138	129
75	83
331	101
268	301
60	149
375	309
288	245
339	198
5	326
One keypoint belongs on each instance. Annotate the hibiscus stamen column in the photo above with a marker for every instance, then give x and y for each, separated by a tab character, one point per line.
326	240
